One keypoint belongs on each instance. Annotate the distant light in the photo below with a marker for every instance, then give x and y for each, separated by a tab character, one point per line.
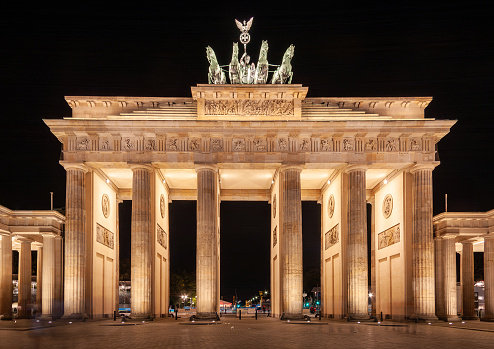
358	322
164	181
272	181
329	181
379	322
385	181
463	322
49	322
429	323
370	295
450	323
107	180
70	322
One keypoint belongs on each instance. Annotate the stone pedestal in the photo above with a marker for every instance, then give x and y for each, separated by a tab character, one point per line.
75	243
467	282
49	280
24	301
141	241
422	244
358	288
6	277
291	242
489	277
207	259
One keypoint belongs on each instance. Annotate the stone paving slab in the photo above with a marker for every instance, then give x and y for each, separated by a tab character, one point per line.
247	333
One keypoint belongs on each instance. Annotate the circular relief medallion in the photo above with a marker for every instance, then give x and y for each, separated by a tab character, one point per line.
162	206
331	206
387	206
274	206
105	205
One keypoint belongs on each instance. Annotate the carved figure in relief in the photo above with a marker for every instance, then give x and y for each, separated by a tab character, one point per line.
216	144
194	144
129	144
84	144
216	75
234	67
325	145
390	144
151	144
258	145
247	70
414	145
105	145
275	236
370	144
348	144
304	146
387	206
283	74
239	145
282	144
262	65
172	144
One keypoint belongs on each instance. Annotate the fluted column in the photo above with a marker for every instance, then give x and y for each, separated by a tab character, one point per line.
6	277
423	287
39	279
358	287
291	242
489	277
58	276
467	281
75	242
439	277
141	241
49	281
207	264
449	274
372	201
24	302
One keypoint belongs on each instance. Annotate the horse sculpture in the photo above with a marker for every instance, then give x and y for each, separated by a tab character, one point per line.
284	74
262	65
216	75
234	67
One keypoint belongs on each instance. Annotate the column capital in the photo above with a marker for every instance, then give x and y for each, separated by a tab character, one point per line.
488	236
141	166
419	167
293	167
74	166
356	167
5	232
206	167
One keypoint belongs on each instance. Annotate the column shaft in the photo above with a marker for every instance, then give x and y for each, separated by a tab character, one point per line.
39	280
489	277
439	277
449	274
141	242
291	242
49	281
422	245
357	245
58	276
75	244
24	301
207	266
467	279
6	277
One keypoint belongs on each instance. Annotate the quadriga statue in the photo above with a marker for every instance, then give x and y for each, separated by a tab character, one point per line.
216	74
283	74
234	67
262	65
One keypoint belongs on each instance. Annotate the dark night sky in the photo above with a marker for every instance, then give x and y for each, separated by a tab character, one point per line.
443	50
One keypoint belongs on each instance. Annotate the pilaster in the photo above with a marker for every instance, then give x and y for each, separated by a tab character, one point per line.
467	281
489	277
24	301
6	276
49	277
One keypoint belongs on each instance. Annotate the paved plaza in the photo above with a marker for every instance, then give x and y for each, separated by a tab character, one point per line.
245	333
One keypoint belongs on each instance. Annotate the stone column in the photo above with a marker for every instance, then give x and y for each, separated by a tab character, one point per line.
6	277
58	276
75	242
49	281
439	277
24	301
39	280
358	288
449	276
372	201
207	242
141	241
291	242
467	282
422	244
117	258
489	277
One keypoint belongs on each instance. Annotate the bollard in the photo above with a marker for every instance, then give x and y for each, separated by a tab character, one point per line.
319	315
114	315
176	313
240	314
381	316
256	313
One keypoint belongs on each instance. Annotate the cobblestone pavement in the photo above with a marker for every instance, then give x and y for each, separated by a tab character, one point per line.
247	333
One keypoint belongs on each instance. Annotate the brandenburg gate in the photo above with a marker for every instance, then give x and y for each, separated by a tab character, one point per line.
259	141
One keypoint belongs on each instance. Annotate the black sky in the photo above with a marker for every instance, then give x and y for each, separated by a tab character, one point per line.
443	50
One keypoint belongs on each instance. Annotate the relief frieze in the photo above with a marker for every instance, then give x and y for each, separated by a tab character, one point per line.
389	237
160	236
332	237
247	107
104	236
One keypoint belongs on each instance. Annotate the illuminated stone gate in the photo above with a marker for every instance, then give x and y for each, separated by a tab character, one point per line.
261	143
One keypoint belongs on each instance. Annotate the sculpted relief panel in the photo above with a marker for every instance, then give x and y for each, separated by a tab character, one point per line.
389	237
331	237
104	236
247	107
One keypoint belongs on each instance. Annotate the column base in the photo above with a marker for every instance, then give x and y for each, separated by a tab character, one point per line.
488	318
424	318
47	317
359	317
449	318
294	317
469	317
75	317
205	317
140	316
6	317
